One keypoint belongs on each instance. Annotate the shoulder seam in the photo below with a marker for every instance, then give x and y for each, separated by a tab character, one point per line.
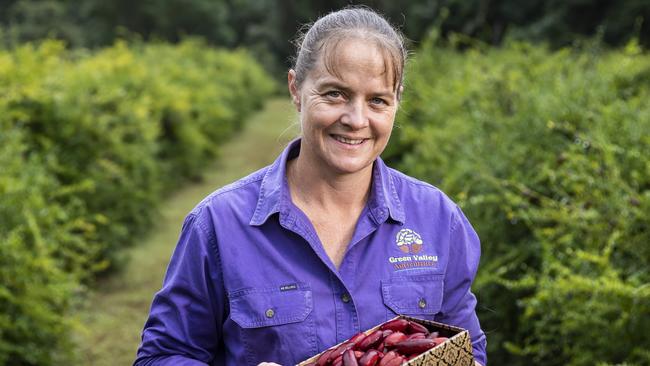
223	190
456	219
454	208
410	180
213	247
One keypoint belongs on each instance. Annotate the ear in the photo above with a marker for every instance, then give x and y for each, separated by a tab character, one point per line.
400	92
293	88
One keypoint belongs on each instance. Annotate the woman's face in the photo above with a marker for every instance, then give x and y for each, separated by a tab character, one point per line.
347	119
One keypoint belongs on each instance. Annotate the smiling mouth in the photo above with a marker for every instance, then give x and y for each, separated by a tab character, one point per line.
348	141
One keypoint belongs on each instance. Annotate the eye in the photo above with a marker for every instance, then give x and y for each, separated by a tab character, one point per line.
334	94
378	101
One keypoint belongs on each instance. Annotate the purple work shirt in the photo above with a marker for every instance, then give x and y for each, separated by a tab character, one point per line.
249	280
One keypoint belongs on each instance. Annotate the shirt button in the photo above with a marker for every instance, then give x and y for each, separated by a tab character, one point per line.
270	313
422	303
345	298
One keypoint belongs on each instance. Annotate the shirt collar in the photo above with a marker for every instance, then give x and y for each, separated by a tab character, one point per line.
274	194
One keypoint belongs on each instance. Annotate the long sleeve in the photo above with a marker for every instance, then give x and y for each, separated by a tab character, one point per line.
184	324
459	303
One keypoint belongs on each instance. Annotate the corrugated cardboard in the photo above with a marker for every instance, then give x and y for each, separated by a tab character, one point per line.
456	351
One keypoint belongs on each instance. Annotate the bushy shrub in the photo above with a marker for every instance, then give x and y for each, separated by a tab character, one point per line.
34	291
547	153
89	142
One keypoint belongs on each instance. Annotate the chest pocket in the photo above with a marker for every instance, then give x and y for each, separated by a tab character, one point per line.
276	325
416	295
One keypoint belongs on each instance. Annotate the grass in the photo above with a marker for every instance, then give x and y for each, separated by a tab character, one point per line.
116	311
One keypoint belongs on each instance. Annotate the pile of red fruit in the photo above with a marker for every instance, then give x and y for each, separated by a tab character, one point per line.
394	343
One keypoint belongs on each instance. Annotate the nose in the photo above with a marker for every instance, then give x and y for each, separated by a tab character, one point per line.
355	115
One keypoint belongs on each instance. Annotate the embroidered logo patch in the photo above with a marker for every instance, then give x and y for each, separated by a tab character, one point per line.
410	242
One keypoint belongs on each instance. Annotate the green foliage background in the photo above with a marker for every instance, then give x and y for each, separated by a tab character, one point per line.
89	143
267	26
547	153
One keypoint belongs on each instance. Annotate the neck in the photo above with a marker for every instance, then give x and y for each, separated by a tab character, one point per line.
318	188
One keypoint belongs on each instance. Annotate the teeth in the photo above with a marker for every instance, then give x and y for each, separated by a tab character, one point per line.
348	141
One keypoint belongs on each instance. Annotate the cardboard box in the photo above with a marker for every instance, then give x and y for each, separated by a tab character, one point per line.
456	351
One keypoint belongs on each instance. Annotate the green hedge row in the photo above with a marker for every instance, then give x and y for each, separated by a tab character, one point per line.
548	155
89	143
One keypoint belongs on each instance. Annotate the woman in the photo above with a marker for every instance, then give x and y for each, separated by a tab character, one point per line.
325	242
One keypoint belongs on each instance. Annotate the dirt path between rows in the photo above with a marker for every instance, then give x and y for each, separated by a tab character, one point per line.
113	318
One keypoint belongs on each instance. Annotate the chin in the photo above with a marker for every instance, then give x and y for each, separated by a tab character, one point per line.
350	167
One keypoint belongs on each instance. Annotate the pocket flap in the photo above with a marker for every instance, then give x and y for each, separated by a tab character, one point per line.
265	307
420	294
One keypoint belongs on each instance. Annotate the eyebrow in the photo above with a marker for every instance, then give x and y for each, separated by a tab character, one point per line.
332	84
338	85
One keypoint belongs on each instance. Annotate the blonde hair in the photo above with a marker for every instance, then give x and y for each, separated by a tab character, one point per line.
323	36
